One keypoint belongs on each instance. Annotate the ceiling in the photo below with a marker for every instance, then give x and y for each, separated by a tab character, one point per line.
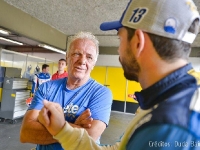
72	16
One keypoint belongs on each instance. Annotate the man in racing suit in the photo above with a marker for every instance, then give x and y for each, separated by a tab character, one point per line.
41	77
155	42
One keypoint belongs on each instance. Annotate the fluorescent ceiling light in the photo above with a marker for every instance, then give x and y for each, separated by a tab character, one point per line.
52	48
11	41
2	31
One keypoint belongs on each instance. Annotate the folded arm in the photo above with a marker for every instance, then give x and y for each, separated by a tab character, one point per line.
94	127
32	131
70	138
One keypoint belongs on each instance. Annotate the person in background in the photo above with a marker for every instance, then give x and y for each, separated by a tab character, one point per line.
40	78
155	42
61	73
27	73
36	71
85	102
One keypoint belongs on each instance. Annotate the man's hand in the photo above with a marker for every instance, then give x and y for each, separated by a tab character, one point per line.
52	117
84	120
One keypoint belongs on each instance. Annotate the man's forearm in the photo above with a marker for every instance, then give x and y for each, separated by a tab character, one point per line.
74	138
74	125
36	133
94	131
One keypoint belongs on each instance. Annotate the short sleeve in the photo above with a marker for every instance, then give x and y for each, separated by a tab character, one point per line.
100	104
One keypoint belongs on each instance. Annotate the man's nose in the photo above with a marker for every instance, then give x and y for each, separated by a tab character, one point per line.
83	59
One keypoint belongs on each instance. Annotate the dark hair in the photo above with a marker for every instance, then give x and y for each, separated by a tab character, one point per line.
170	49
44	66
62	59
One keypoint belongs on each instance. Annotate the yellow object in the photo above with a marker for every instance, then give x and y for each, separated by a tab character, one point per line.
0	94
31	95
195	74
116	82
113	78
132	88
99	74
13	95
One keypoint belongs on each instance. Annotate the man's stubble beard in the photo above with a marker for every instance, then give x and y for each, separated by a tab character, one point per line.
130	66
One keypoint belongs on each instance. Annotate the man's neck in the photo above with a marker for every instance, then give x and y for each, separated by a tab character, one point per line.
61	71
73	84
158	72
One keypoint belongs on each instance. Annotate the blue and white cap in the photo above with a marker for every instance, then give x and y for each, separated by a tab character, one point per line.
167	18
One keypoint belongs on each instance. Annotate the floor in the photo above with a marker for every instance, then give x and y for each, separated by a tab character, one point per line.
9	133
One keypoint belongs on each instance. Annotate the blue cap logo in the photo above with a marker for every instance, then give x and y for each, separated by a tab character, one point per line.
170	25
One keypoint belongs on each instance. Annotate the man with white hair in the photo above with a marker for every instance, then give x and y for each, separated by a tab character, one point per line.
77	94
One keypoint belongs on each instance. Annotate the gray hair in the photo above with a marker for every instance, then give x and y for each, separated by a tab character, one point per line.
84	35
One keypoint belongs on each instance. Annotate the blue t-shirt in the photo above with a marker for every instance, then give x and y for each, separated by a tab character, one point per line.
74	102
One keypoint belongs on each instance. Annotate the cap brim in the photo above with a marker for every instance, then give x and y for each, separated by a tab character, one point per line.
110	25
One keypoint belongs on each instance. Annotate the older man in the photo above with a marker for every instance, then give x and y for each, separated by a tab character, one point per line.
74	94
155	42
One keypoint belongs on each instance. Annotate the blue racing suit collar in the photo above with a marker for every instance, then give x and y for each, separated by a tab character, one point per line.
147	98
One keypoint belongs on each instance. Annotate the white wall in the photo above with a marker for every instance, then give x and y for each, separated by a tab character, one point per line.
113	60
51	56
103	60
195	63
107	60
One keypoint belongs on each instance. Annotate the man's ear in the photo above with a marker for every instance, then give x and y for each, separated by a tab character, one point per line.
140	41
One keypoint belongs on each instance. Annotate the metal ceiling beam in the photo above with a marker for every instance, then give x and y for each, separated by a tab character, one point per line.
29	49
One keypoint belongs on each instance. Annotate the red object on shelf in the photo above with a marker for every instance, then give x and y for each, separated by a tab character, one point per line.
132	96
28	101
